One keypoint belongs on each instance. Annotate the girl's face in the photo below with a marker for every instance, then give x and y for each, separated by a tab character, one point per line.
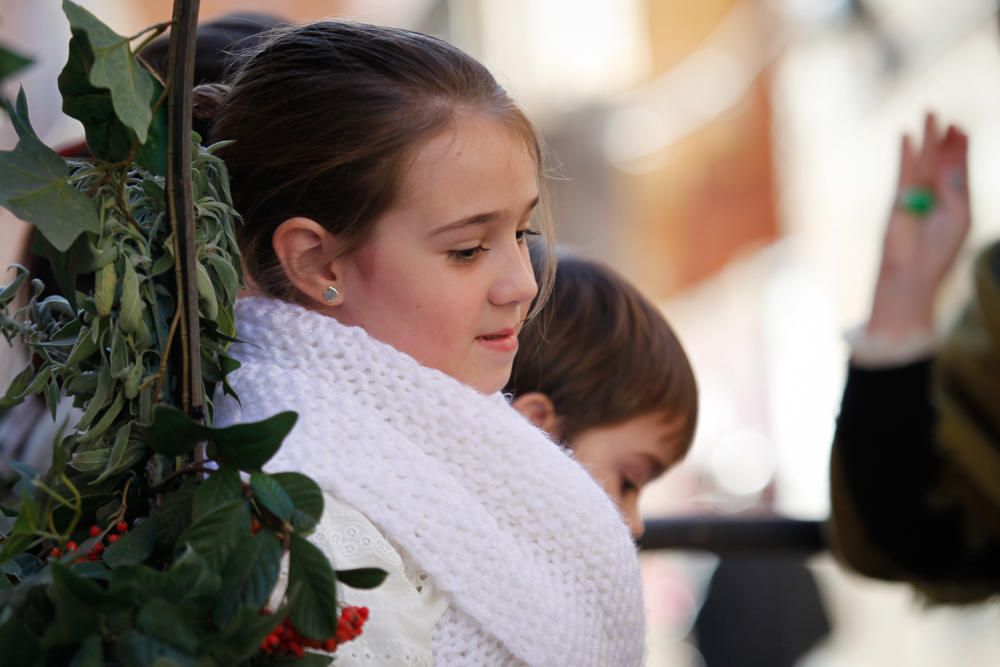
445	276
628	456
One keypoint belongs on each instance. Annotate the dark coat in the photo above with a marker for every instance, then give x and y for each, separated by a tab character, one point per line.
915	468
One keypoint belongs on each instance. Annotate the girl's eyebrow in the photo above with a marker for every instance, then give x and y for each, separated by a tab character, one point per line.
481	219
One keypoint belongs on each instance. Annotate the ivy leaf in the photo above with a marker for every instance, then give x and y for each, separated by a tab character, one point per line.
34	185
11	63
307	497
152	153
246	446
221	486
116	69
107	138
272	496
362	577
313	608
249	577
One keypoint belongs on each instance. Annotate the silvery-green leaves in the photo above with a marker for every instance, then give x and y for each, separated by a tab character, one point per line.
106	347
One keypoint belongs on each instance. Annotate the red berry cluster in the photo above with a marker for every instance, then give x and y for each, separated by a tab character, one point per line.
95	551
285	639
352	619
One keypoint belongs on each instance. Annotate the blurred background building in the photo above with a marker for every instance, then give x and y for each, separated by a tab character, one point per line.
736	159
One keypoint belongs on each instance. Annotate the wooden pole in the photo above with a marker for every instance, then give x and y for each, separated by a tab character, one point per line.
180	203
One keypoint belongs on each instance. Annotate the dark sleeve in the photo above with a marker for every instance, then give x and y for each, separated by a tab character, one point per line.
888	468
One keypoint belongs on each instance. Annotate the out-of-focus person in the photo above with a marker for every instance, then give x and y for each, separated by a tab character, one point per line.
915	468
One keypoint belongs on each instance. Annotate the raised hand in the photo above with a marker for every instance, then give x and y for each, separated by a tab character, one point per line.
920	247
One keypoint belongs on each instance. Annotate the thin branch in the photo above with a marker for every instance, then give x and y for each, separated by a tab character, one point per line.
161	374
190	469
157	29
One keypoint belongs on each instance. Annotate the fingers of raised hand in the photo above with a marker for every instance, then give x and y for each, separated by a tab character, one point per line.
907	164
951	170
938	164
929	151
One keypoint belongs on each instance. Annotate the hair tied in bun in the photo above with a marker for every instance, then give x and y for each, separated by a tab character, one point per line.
207	99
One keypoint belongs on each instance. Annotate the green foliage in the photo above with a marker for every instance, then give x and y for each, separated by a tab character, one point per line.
108	347
362	577
139	545
35	186
312	583
112	66
90	90
11	63
306	496
249	576
246	446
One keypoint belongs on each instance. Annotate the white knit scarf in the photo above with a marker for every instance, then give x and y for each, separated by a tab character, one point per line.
514	533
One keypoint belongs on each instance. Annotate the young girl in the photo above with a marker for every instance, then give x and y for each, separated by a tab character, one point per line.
387	184
602	371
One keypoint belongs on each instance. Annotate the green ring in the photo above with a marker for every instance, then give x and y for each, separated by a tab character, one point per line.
917	201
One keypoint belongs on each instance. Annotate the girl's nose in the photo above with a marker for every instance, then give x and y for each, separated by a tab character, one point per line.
515	281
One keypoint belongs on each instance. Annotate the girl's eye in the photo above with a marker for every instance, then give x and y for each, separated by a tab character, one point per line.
523	234
466	254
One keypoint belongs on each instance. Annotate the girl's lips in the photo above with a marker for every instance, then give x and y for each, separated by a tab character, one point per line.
500	341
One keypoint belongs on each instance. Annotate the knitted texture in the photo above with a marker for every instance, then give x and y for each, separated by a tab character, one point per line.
534	559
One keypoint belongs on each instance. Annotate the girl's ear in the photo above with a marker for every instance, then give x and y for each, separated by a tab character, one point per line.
539	410
304	249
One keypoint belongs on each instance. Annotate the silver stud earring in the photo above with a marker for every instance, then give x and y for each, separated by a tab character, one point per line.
331	293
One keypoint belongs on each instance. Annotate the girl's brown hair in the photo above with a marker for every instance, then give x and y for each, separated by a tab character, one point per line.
602	353
326	118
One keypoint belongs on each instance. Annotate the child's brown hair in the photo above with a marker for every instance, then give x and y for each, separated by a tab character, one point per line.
603	353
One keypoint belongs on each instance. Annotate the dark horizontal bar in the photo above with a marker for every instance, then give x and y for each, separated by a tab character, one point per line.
746	536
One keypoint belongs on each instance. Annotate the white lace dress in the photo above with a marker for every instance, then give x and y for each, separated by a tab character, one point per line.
403	611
